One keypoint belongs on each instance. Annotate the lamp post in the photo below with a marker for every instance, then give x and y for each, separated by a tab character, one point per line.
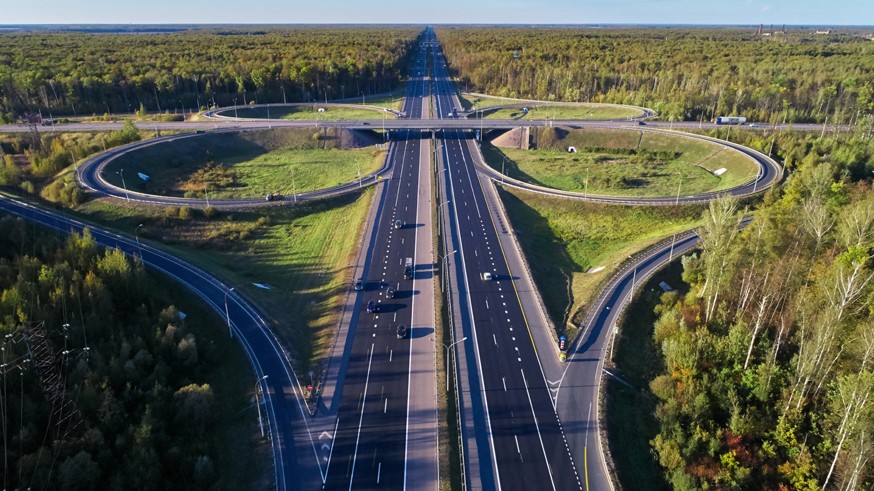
137	235
235	108
449	352
228	315
123	185
503	169
677	201
443	268
258	404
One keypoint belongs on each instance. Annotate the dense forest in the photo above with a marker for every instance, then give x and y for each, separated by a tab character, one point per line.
767	377
684	74
104	385
76	73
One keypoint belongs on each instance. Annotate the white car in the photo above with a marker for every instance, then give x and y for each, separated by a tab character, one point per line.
487	276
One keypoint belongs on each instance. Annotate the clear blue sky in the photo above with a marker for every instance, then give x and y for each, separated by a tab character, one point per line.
840	12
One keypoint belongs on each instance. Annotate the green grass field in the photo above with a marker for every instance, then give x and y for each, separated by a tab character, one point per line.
310	112
392	100
562	239
623	163
303	253
560	112
468	101
247	164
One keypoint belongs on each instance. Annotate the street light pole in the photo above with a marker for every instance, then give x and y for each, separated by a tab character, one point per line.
449	352
231	333
121	173
137	235
443	268
258	404
677	202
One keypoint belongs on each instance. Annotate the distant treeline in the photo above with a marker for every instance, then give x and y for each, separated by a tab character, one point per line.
684	74
72	73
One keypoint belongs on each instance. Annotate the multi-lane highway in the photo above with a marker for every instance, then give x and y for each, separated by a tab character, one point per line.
517	441
411	123
386	428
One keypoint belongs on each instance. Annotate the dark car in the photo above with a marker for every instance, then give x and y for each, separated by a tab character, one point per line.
641	123
390	293
398	224
372	307
402	331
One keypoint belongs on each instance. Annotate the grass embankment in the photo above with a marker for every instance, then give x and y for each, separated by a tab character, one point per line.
560	112
246	164
310	112
302	253
630	411
562	239
624	163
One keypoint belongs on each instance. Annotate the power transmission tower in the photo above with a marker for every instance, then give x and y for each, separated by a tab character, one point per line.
65	413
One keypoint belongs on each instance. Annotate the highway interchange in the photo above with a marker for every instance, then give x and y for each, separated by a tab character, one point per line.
528	421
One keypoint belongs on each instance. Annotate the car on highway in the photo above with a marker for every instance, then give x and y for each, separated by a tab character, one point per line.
399	224
401	331
390	293
487	276
641	123
372	308
359	284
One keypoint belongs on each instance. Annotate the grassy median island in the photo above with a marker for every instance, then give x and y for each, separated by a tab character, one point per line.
563	239
623	163
303	254
544	110
311	112
249	163
559	112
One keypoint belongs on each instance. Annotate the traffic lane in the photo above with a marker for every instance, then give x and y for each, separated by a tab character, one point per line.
283	405
519	347
373	333
506	325
579	387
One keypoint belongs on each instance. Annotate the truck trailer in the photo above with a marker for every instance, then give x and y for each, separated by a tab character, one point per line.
730	120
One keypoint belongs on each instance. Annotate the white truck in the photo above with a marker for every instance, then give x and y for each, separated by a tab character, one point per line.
730	120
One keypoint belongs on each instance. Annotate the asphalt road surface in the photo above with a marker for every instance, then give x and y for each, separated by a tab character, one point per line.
519	441
372	447
409	123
